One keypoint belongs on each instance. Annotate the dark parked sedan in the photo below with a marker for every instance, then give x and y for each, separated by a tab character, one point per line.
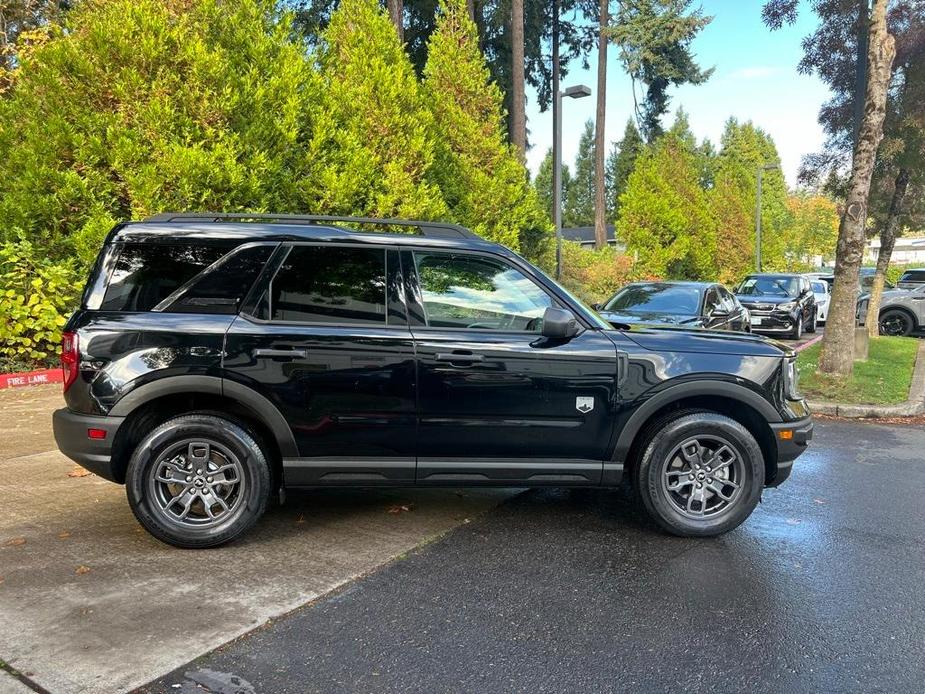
779	304
689	304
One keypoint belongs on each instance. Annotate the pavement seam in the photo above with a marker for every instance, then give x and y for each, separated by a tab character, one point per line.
25	680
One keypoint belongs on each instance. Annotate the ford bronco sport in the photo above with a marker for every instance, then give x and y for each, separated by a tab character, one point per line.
218	359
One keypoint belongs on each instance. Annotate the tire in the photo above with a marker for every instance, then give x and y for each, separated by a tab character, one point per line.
678	509
811	328
168	481
798	328
896	322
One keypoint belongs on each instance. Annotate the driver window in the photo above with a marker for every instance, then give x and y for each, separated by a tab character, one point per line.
711	302
478	293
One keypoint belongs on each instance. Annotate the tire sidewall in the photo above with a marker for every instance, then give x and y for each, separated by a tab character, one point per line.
798	328
907	321
672	433
210	428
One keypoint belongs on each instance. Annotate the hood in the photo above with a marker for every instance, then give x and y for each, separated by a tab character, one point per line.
892	293
649	318
752	299
671	339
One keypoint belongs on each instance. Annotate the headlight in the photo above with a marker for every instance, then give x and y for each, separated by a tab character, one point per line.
791	378
789	306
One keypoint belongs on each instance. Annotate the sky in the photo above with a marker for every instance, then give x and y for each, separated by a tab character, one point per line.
755	79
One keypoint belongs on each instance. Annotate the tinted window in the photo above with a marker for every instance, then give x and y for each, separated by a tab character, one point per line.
329	284
820	288
656	298
756	286
469	291
913	276
146	274
727	300
221	287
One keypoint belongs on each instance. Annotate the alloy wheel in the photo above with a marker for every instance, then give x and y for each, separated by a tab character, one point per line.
703	477
197	483
894	324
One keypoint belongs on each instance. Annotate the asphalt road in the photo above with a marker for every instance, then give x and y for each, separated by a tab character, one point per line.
823	589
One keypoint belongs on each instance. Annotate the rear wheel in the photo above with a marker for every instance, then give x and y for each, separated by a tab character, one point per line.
701	474
198	481
896	323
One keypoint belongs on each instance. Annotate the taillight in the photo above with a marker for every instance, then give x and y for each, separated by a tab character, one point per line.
70	358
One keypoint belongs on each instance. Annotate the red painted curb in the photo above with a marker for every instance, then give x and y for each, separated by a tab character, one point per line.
31	378
800	348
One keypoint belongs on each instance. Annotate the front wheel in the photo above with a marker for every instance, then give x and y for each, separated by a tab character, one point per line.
896	323
811	328
797	327
198	481
701	474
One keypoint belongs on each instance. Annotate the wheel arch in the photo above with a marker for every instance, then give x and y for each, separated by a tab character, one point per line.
732	400
902	309
154	403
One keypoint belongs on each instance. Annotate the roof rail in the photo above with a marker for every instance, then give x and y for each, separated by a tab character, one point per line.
431	229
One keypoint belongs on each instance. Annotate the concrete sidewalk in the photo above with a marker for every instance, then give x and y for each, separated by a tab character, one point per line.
89	602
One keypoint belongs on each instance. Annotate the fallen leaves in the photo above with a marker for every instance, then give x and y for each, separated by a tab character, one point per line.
81	570
64	534
400	508
17	541
78	472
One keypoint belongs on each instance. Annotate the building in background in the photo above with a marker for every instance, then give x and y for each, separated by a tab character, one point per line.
908	250
585	236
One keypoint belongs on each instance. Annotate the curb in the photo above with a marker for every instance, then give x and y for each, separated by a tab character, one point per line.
809	343
915	405
31	378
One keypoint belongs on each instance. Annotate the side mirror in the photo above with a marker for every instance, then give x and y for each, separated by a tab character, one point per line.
597	307
559	324
719	313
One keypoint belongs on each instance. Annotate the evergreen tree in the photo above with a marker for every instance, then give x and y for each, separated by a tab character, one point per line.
621	163
664	213
140	106
543	183
372	146
579	203
482	179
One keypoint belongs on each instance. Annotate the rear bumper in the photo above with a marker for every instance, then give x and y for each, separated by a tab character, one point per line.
789	449
95	455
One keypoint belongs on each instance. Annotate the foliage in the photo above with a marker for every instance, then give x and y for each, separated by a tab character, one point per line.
812	232
578	207
482	179
594	275
665	216
143	106
883	379
620	164
35	294
655	46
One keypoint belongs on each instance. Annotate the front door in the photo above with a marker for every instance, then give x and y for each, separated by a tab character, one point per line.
328	344
498	403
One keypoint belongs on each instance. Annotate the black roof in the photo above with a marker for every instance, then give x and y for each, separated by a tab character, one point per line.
244	227
586	234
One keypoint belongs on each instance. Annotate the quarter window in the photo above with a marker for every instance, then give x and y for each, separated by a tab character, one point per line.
478	293
329	284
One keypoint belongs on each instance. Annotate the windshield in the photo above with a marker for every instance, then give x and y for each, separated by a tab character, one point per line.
656	298
756	286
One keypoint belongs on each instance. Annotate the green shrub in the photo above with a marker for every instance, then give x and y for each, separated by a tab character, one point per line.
594	275
36	294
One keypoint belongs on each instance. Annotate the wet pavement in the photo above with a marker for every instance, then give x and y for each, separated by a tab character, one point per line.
820	590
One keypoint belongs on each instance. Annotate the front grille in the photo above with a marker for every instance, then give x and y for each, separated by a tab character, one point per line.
759	307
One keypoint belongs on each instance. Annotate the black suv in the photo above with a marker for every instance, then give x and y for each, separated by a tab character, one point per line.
779	303
217	359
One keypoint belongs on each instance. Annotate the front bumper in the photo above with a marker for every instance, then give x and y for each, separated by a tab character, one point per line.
792	439
71	435
773	322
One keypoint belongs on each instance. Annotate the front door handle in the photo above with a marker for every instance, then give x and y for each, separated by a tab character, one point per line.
459	357
291	353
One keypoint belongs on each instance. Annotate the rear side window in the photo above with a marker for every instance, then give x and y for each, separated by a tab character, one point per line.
147	273
913	276
328	284
220	288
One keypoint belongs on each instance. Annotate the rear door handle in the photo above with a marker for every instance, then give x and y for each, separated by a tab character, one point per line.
291	353
459	357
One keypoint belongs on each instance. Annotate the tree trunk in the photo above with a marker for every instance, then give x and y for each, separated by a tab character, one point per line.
470	9
396	10
518	97
887	240
838	342
600	204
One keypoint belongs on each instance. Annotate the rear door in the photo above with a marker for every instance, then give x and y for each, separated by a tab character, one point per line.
498	402
325	338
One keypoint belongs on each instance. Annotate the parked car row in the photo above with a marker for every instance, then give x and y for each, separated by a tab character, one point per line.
780	304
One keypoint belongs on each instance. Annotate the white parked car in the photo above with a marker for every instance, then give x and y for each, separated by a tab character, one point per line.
821	291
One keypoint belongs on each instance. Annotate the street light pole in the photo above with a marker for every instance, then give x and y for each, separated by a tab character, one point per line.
576	92
761	170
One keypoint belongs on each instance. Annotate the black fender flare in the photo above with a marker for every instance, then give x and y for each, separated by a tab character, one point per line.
724	389
262	408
